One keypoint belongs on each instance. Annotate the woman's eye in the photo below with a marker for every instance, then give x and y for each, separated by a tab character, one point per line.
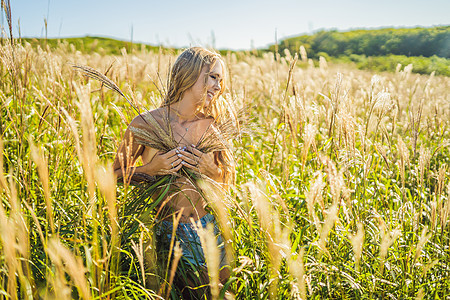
213	77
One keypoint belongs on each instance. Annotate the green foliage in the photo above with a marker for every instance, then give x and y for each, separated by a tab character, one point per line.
427	49
421	65
88	44
378	42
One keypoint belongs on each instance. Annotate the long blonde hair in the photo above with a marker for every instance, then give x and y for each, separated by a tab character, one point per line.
184	74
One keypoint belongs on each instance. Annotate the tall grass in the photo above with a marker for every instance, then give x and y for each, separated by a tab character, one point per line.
342	191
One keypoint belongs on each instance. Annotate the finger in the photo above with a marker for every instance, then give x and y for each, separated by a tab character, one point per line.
189	160
188	165
175	163
174	170
170	153
177	168
188	154
195	151
173	158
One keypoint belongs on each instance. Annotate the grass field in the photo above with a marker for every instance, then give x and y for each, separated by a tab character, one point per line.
342	189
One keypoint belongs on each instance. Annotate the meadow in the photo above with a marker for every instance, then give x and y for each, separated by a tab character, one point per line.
342	187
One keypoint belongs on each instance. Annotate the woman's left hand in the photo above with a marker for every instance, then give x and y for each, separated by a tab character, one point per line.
203	163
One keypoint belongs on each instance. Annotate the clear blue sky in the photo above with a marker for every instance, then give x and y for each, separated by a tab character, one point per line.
235	24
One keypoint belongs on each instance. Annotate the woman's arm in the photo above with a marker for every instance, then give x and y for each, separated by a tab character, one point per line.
129	152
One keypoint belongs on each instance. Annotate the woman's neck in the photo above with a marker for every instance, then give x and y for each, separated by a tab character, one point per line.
185	111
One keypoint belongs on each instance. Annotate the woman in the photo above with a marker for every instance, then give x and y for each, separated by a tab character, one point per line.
191	107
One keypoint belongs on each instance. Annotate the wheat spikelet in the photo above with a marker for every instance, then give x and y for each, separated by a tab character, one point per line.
94	74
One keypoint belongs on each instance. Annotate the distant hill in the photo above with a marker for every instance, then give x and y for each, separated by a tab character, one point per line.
90	44
377	42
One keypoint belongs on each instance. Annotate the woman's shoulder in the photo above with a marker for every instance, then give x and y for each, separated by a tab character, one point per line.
206	122
147	118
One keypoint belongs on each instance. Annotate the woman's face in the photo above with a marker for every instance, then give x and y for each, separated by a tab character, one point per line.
205	94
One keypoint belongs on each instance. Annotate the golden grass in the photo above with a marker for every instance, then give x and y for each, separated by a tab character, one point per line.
346	171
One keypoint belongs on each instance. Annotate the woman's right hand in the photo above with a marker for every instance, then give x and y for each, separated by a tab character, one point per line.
164	163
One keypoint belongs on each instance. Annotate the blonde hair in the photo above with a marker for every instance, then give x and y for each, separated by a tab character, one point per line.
184	74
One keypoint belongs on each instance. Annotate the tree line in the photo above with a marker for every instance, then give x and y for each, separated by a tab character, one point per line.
418	41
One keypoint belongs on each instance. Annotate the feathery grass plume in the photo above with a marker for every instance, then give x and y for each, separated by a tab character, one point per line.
176	220
73	127
303	54
424	237
220	201
382	150
380	104
441	180
106	182
335	179
3	183
404	159
433	213
139	250
438	195
212	255
177	253
16	242
357	241
387	239
323	64
328	224
420	294
415	124
315	196
346	125
445	212
297	269
277	237
176	257
42	166
8	239
57	285
309	136
71	264
89	149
